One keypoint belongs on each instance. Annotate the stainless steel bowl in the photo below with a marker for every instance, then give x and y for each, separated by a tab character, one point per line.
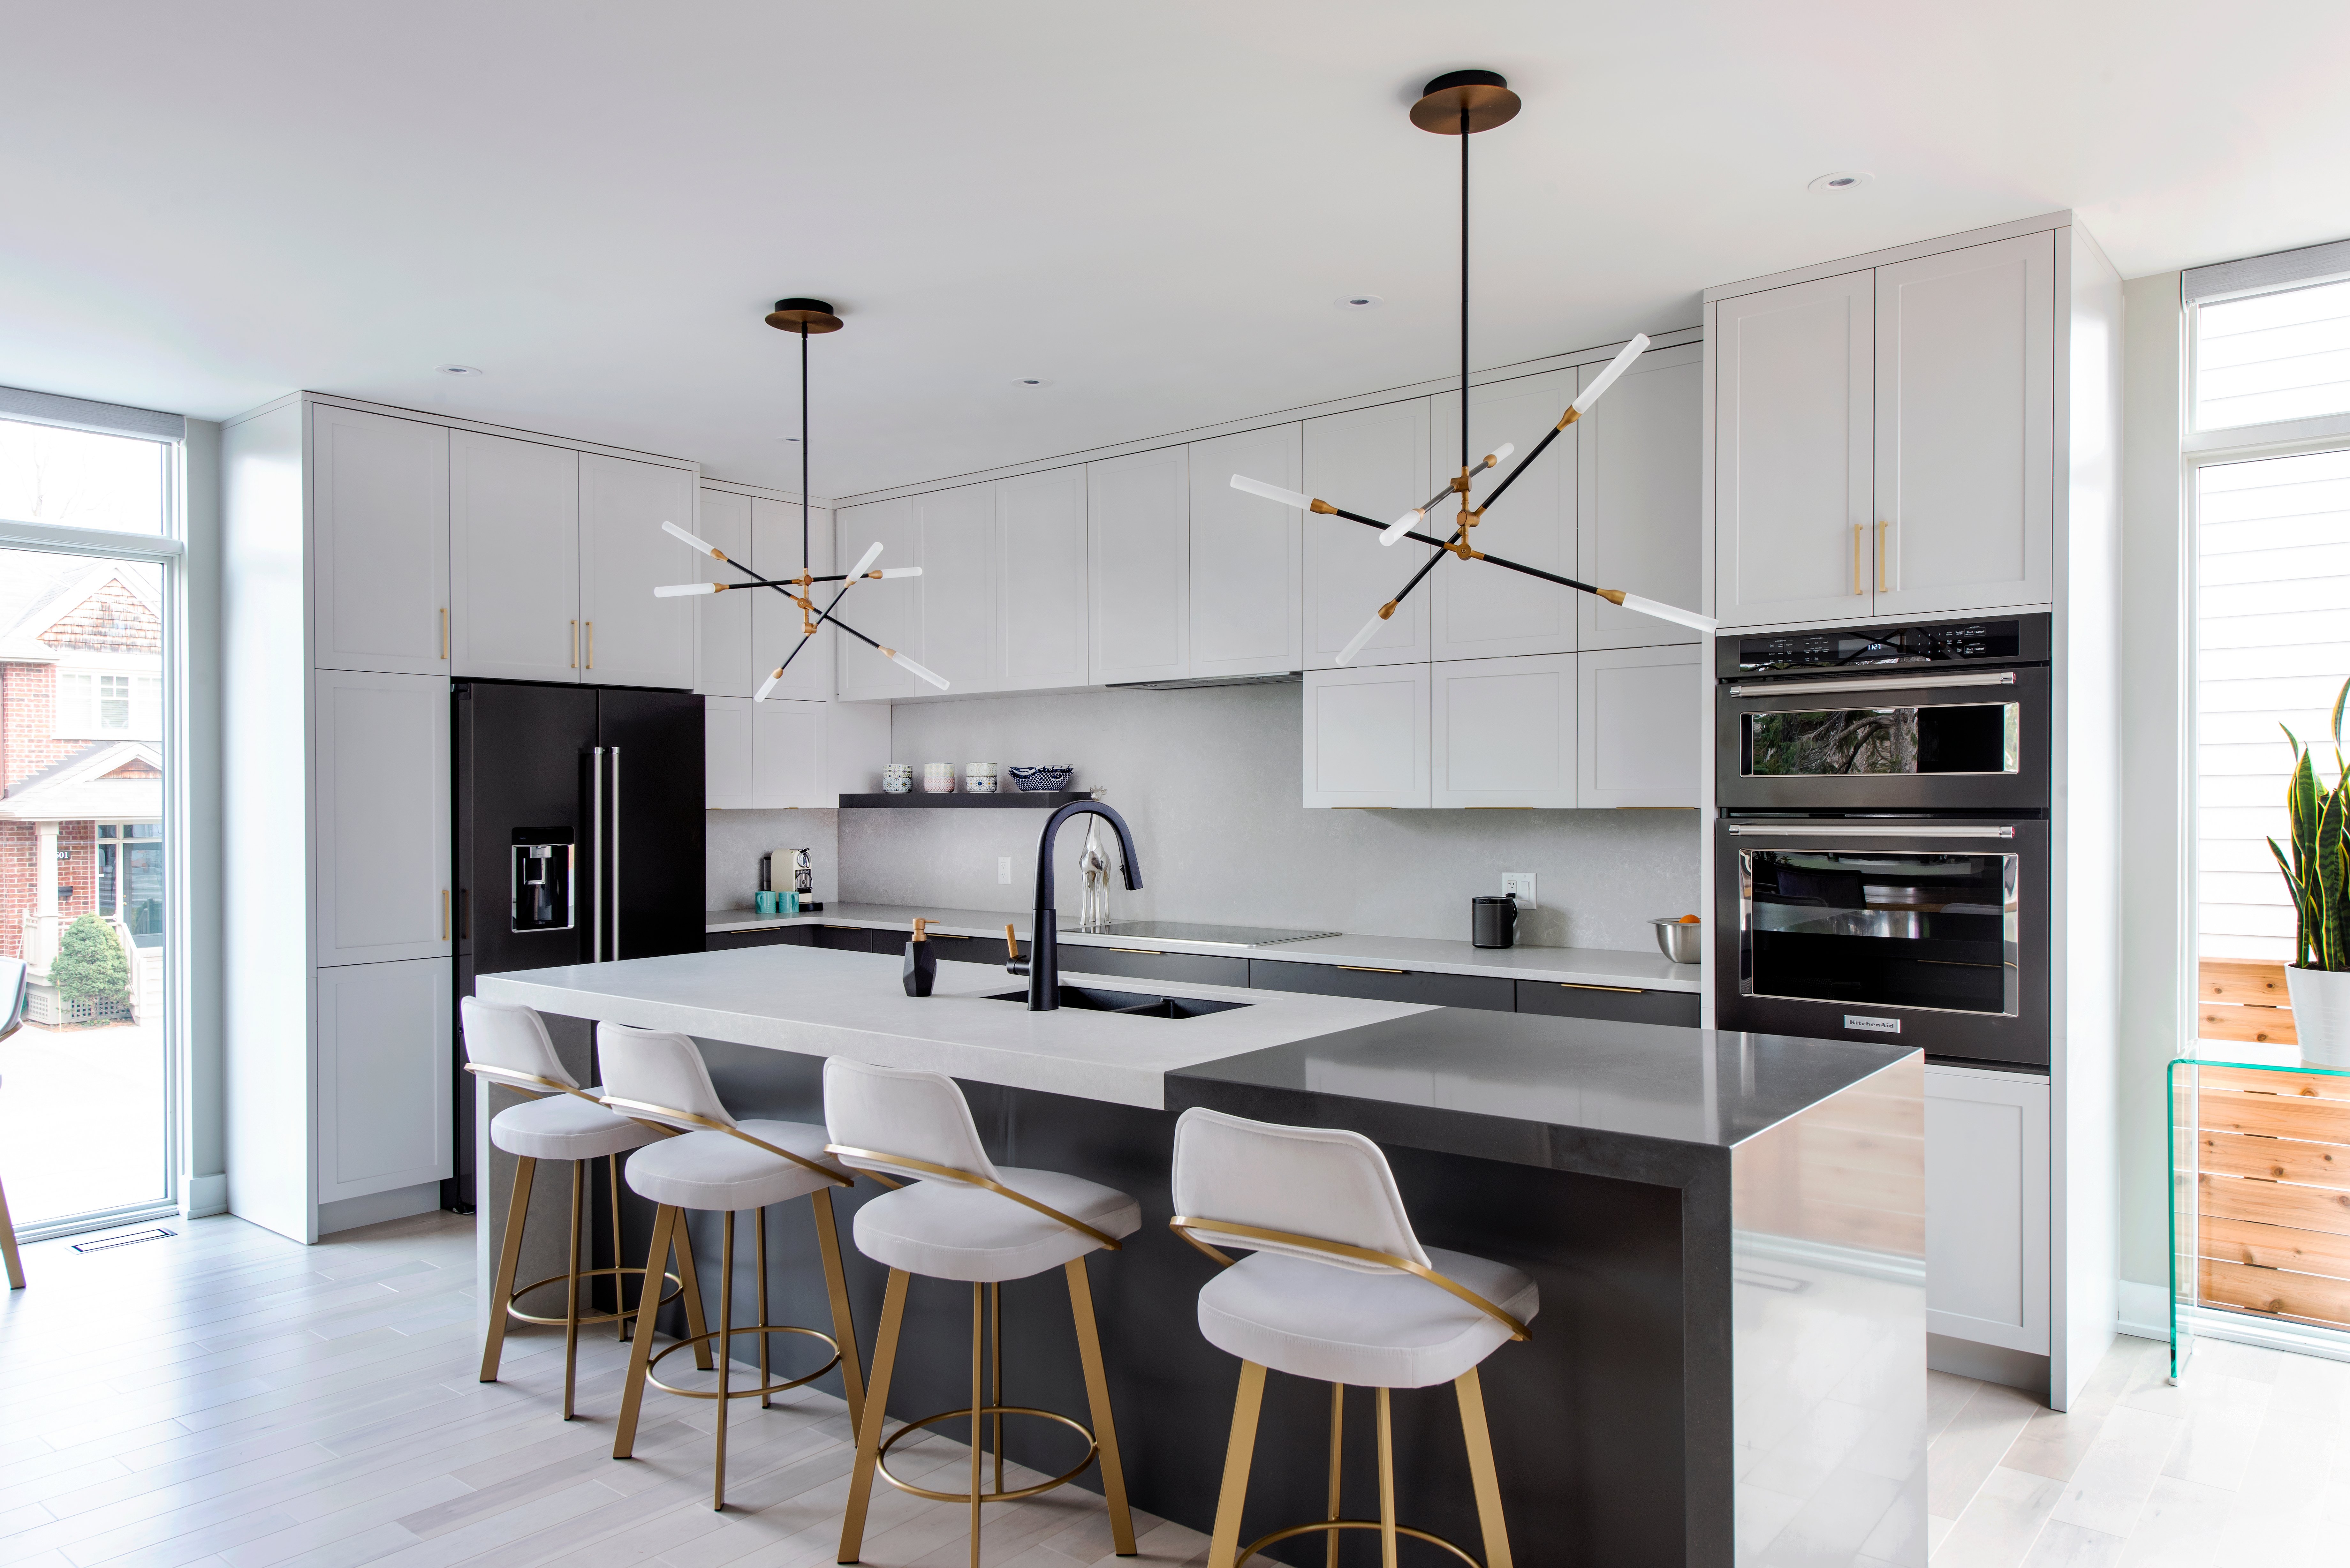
1679	940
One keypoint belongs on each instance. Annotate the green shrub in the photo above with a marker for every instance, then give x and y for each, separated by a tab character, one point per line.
89	962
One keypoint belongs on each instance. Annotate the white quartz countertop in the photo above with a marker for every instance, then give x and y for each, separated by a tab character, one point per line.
1566	966
821	1002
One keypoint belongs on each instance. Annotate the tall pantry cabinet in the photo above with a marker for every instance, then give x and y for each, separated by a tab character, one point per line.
370	556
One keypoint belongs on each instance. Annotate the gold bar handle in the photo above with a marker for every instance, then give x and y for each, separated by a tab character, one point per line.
1578	985
1856	531
1882	587
575	645
1367	968
1146	952
592	645
444	914
444	631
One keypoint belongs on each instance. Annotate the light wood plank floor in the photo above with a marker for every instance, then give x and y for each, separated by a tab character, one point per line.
228	1399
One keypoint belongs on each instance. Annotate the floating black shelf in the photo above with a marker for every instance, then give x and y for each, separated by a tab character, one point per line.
1010	800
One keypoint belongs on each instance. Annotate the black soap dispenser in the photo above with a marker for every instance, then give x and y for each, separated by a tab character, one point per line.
922	963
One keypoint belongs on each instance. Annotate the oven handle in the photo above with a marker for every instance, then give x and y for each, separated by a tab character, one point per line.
1858	830
1879	683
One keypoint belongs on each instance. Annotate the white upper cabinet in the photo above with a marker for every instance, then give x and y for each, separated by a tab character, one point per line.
726	753
787	755
1248	556
1138	582
380	782
1638	715
1480	611
1040	579
1373	461
955	533
887	613
1792	452
776	553
1640	525
1501	730
1965	428
514	542
379	556
1365	734
628	637
722	663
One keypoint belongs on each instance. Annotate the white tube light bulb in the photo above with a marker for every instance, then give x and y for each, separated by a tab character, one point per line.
704	546
931	676
888	571
1616	366
767	685
1273	493
1501	453
1370	629
864	562
1674	613
1402	526
683	590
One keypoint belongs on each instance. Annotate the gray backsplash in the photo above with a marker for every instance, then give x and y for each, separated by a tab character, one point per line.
1211	780
737	839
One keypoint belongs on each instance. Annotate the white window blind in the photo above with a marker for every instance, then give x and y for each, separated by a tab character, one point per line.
2269	357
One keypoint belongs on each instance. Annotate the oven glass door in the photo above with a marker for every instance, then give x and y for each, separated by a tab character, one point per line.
1884	743
1872	928
1971	742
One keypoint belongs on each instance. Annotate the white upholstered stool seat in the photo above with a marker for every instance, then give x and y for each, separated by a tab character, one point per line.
944	1232
1375	1330
564	1126
716	1171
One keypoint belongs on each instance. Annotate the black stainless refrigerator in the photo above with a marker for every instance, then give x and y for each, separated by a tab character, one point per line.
578	838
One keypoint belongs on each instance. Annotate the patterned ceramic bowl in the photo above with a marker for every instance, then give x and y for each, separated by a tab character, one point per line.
897	778
1042	778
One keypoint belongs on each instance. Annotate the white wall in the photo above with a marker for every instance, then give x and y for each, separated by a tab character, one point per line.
1208	780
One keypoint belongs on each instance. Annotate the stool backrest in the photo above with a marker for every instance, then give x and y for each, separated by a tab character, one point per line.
510	1039
1322	1182
658	1067
897	1110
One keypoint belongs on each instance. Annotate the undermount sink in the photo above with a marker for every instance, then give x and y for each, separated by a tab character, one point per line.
1132	1003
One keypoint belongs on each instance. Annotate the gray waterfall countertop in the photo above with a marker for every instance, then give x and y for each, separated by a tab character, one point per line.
1569	966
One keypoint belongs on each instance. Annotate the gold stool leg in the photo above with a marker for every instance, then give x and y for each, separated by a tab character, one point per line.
1225	1543
1482	1476
995	1368
869	1430
695	1324
1081	1307
1338	1449
1387	1486
760	1221
641	1356
16	1264
571	1289
844	1328
726	1350
620	1300
978	1398
509	1257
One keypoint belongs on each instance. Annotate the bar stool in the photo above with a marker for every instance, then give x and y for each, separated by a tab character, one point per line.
510	1045
1340	1289
966	1218
715	1163
13	988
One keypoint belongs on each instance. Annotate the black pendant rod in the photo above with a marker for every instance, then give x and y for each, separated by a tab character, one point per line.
1502	561
1464	300
804	451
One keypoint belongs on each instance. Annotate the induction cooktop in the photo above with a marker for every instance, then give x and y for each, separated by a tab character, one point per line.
1212	936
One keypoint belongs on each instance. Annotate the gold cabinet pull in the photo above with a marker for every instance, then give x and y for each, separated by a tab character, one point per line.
444	914
1146	952
1882	587
1367	968
1856	531
444	631
592	645
1578	985
575	645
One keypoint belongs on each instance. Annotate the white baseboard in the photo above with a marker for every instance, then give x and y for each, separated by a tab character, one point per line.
200	1196
2143	1311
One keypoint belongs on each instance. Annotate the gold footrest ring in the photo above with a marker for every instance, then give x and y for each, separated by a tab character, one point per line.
755	1390
1262	1542
1093	1448
558	1320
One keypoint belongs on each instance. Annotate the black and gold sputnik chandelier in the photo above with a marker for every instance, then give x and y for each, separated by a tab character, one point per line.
1461	103
804	317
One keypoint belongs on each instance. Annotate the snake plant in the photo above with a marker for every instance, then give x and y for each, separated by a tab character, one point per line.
2318	873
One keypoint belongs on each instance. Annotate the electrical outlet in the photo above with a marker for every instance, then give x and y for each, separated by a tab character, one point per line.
1520	885
1003	869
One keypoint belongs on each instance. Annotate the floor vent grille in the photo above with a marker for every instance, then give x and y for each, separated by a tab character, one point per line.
128	1238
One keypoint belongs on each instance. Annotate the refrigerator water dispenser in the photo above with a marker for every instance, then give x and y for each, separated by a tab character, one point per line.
543	859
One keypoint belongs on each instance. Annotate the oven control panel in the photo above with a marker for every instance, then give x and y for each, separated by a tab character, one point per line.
2014	640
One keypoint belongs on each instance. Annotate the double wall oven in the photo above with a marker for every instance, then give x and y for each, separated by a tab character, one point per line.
1881	866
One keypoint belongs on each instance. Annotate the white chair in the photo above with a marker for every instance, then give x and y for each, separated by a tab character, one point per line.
14	986
963	1217
510	1046
1337	1289
717	1163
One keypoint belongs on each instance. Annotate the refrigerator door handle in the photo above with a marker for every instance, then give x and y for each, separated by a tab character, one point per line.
595	830
616	852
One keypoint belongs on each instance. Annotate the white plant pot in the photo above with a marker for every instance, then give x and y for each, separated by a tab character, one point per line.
2320	1015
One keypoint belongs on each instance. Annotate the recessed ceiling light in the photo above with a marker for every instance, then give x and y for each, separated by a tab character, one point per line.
1842	181
459	369
1358	301
1030	381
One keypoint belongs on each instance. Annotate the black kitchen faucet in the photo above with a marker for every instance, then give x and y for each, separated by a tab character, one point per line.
1044	966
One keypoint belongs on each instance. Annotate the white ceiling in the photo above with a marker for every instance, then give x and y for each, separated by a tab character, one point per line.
1152	206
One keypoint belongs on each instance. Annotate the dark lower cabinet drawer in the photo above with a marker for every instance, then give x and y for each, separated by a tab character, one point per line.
1601	1001
1494	995
787	937
855	939
967	949
1193	969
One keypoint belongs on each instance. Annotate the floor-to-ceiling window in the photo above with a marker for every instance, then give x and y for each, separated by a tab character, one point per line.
89	616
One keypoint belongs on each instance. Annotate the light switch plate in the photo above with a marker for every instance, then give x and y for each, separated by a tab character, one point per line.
1004	868
1520	885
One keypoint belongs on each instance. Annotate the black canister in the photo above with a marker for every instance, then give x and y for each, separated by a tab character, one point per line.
1493	922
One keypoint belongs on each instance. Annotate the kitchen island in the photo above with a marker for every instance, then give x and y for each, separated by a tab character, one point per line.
1728	1366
